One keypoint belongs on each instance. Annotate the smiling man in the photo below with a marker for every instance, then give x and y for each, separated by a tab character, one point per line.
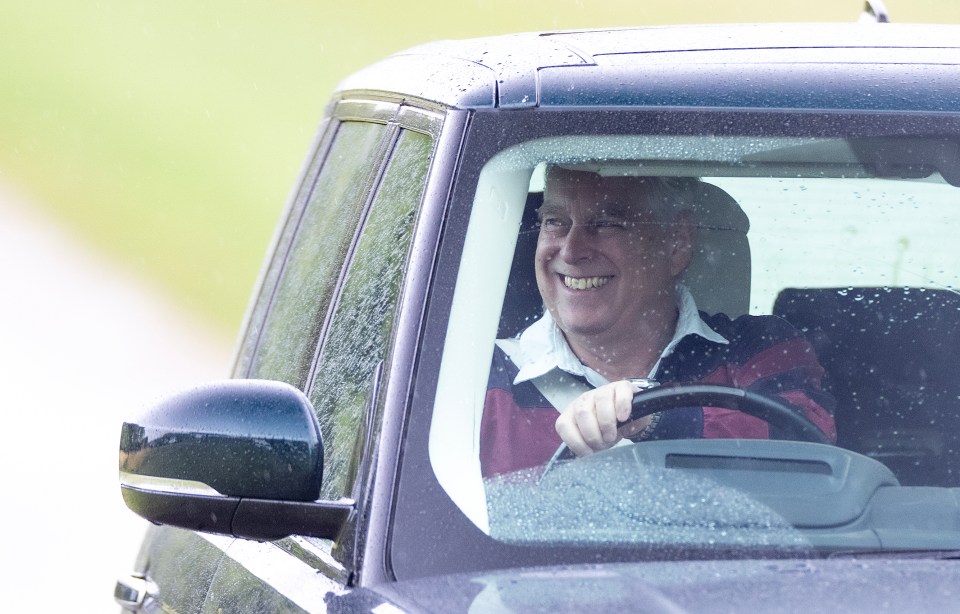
610	253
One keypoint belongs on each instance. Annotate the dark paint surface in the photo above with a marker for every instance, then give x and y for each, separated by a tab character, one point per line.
849	585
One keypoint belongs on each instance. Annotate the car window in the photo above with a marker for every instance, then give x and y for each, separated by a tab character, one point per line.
280	247
289	334
362	323
854	255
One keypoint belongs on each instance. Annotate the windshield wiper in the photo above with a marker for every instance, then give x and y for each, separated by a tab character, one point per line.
939	555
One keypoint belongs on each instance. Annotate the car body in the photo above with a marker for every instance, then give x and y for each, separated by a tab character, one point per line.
337	469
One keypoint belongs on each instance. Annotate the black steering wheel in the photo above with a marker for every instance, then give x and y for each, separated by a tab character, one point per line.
664	398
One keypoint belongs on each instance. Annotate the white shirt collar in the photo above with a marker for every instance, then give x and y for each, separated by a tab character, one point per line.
542	346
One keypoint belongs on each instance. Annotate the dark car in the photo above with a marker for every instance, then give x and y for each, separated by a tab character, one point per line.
339	469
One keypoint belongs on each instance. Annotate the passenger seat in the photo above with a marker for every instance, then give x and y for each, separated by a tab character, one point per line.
892	357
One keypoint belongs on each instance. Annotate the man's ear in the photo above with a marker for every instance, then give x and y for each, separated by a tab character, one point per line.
682	237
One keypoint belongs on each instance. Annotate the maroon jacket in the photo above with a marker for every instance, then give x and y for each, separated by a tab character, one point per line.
765	355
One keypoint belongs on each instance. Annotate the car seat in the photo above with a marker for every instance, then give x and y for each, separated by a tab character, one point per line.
891	357
718	275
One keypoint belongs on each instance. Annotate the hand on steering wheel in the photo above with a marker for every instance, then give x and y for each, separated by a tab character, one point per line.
665	398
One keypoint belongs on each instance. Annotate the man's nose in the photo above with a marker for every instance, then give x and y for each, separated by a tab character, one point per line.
578	243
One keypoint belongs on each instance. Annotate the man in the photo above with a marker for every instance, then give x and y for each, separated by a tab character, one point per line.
609	256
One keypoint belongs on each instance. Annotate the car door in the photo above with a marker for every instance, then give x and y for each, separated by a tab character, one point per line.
323	321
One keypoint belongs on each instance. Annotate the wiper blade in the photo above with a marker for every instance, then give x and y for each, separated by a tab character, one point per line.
938	555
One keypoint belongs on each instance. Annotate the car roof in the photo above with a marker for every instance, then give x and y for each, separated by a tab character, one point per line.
822	66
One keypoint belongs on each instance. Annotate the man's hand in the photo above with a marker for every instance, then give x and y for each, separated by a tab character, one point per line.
589	423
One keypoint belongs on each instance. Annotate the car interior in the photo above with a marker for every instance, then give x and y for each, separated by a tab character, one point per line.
892	374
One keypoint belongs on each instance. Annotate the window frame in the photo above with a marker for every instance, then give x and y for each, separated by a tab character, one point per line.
375	112
369	423
396	116
491	132
340	559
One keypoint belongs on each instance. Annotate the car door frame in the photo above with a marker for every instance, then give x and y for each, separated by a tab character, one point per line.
360	556
366	561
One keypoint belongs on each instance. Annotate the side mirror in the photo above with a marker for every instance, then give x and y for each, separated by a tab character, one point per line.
239	457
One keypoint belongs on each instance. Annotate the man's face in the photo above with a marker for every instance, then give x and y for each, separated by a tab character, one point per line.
603	264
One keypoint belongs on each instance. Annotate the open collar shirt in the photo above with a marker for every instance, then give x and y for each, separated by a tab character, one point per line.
542	346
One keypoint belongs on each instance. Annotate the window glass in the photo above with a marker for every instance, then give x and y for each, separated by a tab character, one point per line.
362	323
280	247
289	336
838	232
837	253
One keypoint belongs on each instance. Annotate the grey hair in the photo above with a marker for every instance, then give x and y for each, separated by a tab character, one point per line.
669	196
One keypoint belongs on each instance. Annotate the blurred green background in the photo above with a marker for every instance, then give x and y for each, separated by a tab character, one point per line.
168	134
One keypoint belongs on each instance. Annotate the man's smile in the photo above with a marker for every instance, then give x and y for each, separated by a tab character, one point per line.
585	283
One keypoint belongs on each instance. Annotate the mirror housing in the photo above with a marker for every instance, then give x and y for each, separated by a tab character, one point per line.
238	457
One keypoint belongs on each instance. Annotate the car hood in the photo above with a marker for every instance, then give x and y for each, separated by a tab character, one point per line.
849	585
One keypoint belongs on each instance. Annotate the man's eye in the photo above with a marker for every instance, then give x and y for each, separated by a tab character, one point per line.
552	222
609	224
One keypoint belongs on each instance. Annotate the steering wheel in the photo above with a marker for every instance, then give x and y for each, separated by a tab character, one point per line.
770	410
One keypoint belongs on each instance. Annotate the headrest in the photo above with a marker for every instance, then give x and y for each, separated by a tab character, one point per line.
719	272
899	337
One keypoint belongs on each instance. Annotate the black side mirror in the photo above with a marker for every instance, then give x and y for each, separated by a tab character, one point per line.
240	457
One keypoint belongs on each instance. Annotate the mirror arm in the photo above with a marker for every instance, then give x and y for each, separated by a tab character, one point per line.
263	519
258	519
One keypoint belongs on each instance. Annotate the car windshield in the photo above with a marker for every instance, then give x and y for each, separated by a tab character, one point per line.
835	253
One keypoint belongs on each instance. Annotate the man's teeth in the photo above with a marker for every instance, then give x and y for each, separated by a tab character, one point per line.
583	283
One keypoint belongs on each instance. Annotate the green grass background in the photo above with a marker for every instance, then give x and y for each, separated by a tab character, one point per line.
168	133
